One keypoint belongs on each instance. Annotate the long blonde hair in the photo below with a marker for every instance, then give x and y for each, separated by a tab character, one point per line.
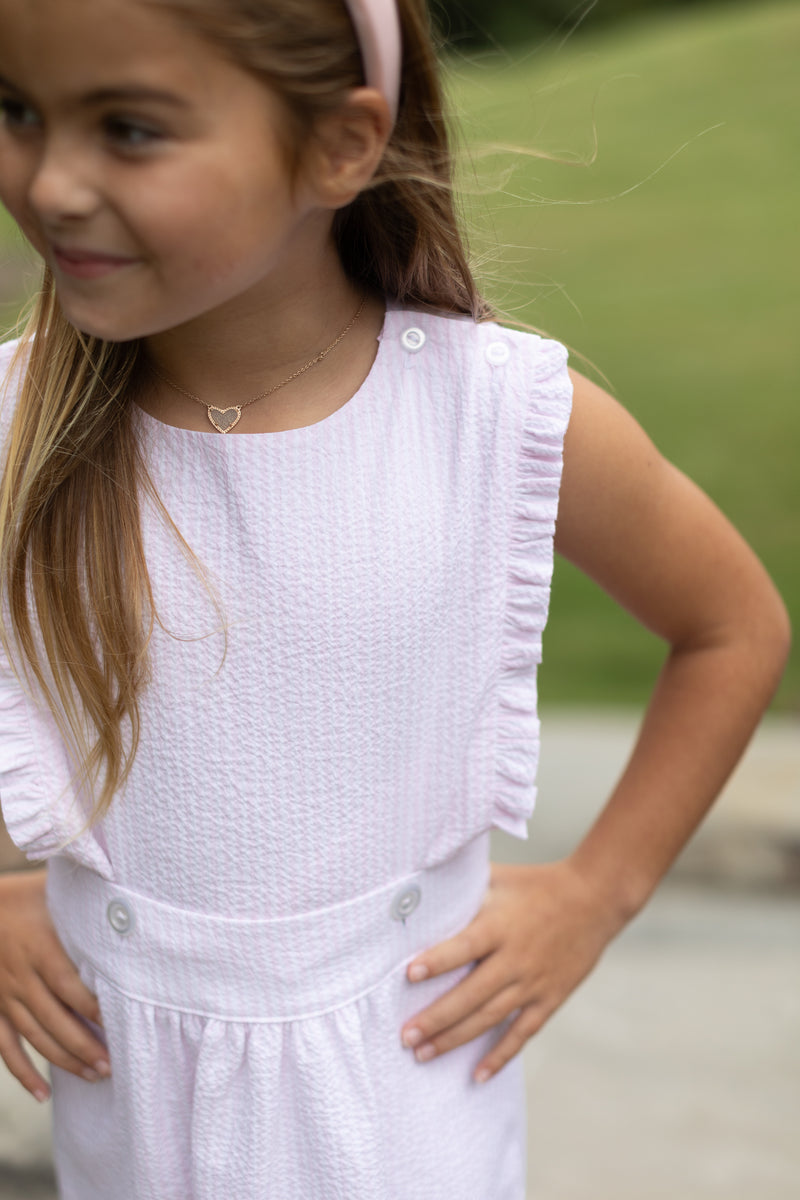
72	569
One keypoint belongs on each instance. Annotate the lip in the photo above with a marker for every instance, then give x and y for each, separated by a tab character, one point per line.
83	264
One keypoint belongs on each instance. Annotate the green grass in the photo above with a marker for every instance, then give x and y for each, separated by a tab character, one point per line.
669	261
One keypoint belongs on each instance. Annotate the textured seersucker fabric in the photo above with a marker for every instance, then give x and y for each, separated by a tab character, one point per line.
384	578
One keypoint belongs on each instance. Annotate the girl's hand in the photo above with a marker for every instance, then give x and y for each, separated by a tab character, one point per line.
41	991
539	932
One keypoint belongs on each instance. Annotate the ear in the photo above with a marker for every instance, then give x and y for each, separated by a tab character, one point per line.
347	146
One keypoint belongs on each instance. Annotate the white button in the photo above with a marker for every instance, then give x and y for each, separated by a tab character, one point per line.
120	917
413	339
405	902
498	353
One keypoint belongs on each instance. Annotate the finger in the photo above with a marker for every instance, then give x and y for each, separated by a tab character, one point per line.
28	1025
489	1016
475	941
19	1064
472	993
529	1022
60	975
65	1026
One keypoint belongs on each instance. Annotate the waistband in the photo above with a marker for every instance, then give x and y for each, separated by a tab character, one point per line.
273	969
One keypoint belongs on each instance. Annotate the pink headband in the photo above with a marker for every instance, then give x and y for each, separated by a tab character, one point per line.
377	25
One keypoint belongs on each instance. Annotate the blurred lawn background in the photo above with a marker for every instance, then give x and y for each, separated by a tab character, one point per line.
664	248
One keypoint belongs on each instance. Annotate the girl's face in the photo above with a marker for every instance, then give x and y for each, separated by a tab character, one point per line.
143	166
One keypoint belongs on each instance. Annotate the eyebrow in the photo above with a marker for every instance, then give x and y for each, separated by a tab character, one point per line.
134	92
115	94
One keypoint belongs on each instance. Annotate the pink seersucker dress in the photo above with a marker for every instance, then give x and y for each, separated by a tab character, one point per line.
311	809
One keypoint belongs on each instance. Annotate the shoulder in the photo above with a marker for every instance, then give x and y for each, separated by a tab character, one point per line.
8	351
13	361
493	394
484	358
12	373
459	333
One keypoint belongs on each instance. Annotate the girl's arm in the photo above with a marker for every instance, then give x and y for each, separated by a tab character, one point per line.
42	996
661	548
657	544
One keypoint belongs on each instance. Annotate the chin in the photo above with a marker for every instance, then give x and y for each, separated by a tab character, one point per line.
108	326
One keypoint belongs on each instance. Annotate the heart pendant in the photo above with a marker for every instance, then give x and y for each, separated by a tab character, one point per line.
224	419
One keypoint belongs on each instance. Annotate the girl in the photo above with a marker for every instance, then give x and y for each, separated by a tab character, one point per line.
277	514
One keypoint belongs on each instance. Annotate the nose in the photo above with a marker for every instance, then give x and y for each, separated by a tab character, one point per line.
61	186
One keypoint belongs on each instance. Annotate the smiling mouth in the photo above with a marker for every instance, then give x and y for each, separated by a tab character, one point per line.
82	264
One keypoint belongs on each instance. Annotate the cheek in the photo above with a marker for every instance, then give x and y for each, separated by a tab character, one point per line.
223	241
14	187
210	215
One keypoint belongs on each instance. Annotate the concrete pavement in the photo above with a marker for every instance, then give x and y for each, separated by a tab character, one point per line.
673	1073
750	839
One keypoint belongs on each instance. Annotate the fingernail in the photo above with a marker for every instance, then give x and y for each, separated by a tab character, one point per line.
482	1075
89	1074
425	1052
41	1095
412	1037
420	971
102	1067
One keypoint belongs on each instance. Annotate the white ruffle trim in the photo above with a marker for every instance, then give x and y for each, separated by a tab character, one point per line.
21	790
530	573
39	806
40	809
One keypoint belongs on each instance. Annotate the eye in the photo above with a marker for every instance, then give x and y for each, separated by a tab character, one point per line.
16	115
129	134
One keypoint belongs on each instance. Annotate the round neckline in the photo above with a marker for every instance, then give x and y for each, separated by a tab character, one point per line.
338	415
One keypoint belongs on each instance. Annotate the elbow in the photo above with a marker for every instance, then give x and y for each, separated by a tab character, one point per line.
782	637
753	637
772	639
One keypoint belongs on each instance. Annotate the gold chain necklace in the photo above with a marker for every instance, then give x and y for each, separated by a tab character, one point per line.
225	419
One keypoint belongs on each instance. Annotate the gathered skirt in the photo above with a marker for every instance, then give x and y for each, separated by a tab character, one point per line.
260	1059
